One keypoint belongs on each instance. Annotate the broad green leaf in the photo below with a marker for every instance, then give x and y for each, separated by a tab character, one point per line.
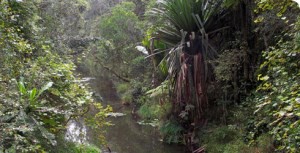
45	133
46	87
22	87
265	78
32	96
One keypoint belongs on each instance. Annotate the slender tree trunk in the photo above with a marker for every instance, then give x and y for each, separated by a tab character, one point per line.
245	32
235	86
154	77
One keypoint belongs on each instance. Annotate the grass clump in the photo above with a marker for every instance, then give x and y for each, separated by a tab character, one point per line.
125	92
86	148
70	147
233	138
148	112
171	132
221	139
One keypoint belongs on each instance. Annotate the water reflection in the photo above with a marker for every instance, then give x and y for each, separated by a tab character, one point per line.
76	132
126	135
129	137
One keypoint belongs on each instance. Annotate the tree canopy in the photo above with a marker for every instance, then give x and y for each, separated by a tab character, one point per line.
214	75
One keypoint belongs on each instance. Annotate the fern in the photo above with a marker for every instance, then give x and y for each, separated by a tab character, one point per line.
172	132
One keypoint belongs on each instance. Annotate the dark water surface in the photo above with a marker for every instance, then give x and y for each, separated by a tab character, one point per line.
125	136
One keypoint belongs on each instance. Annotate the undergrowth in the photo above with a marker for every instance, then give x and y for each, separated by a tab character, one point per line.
124	90
151	111
78	148
232	137
171	132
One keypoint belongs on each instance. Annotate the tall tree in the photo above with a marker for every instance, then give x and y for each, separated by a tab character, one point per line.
39	91
189	28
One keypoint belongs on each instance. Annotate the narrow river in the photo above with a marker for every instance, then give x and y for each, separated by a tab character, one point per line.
125	136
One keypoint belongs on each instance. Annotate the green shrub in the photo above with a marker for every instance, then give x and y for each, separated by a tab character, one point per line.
278	108
149	112
172	132
123	88
127	97
86	148
70	147
220	139
125	91
231	138
235	146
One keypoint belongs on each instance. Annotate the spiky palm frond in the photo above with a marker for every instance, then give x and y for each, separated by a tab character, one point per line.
190	24
179	15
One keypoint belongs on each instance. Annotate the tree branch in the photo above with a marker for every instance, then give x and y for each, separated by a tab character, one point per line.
112	71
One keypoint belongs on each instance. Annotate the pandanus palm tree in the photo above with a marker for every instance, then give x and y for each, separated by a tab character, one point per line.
189	27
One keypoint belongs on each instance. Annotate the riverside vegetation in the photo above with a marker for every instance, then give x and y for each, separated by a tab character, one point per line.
212	75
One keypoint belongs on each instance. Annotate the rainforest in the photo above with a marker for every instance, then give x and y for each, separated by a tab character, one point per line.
149	76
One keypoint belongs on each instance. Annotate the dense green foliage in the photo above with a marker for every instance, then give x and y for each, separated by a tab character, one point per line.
278	103
70	147
214	75
120	30
232	48
39	91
